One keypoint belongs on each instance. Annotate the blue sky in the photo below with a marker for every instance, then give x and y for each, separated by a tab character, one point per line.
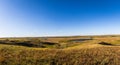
21	18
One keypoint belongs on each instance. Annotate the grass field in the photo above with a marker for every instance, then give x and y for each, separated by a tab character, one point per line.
87	50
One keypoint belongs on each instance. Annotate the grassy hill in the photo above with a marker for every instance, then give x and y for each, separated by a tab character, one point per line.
87	50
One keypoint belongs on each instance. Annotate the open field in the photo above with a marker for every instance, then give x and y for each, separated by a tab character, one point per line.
76	50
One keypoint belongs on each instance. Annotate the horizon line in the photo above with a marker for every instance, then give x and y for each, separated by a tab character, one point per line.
58	36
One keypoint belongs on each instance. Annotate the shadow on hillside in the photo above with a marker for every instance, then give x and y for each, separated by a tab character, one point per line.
28	44
49	43
105	43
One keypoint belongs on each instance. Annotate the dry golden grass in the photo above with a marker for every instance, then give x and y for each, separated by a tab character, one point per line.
79	56
89	52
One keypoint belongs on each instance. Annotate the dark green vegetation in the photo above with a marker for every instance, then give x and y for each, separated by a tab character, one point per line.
95	50
28	43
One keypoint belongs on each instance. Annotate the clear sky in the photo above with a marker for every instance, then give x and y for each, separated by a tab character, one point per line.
21	18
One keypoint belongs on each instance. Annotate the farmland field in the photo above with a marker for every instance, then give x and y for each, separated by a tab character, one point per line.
74	50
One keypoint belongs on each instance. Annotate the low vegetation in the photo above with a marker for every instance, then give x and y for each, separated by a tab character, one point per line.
35	51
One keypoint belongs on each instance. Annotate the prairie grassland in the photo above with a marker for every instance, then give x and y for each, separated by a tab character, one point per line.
82	53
